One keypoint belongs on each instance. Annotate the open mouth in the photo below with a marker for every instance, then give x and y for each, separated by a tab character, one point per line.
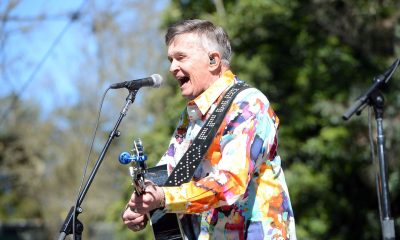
182	80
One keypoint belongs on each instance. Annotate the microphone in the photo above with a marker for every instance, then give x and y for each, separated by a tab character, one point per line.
154	80
379	81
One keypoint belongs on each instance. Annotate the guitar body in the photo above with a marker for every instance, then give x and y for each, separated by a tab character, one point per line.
165	226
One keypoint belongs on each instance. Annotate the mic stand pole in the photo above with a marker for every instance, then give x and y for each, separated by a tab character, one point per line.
71	222
374	97
387	223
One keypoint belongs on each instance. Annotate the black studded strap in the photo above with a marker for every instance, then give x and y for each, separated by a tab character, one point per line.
184	170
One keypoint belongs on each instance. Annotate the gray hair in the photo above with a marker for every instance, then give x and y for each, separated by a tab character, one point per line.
213	38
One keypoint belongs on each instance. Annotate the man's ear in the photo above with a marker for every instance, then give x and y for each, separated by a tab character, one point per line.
215	60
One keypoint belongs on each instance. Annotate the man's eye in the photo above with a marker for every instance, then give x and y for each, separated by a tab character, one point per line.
180	57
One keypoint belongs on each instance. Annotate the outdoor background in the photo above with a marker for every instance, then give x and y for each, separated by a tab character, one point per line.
312	58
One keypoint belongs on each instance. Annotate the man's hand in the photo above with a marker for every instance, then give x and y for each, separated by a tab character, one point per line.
152	198
133	220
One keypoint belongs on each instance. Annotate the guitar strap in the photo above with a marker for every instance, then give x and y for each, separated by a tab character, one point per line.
184	170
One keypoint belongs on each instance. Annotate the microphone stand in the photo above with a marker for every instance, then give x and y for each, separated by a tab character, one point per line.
374	97
72	222
387	223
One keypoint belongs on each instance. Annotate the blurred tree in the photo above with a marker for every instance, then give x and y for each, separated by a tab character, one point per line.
42	156
21	168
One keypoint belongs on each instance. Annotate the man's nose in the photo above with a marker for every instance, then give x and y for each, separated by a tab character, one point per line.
174	66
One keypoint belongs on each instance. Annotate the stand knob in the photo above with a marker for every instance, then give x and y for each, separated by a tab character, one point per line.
126	158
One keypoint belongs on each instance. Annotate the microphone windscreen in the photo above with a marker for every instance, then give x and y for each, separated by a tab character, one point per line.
157	80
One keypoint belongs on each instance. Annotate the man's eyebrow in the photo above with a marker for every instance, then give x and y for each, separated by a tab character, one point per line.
177	53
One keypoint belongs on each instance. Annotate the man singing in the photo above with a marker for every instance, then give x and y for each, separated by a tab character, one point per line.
238	191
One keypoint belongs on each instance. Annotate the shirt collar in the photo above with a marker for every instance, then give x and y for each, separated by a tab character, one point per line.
205	100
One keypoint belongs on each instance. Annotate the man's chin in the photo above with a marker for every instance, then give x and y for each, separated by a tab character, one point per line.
185	93
187	96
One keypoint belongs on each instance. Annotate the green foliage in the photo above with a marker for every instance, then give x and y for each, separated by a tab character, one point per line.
21	166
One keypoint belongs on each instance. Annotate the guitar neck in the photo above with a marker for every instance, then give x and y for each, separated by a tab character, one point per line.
165	226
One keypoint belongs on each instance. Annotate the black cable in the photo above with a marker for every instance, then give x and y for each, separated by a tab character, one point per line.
87	163
373	158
